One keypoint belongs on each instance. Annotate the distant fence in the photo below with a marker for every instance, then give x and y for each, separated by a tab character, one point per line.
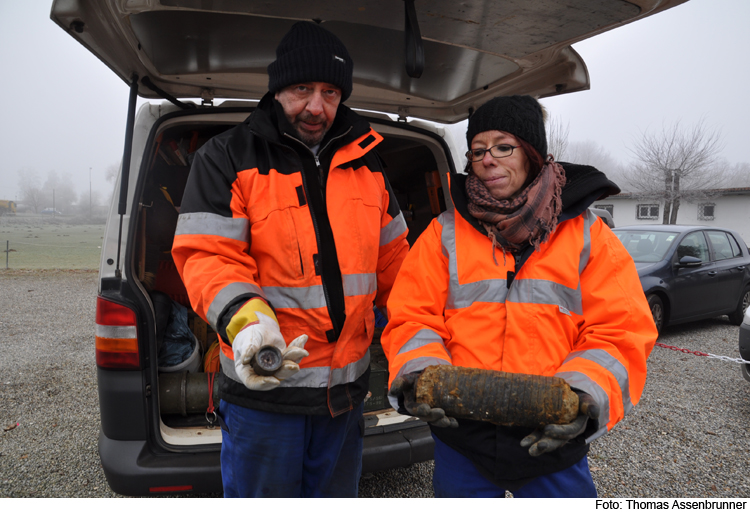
21	254
50	244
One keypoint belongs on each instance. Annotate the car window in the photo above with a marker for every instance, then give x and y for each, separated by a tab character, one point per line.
646	246
736	250
722	247
694	244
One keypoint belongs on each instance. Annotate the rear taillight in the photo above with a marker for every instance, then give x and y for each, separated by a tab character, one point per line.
116	336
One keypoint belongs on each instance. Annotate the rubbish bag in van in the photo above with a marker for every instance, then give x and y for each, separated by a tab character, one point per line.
178	343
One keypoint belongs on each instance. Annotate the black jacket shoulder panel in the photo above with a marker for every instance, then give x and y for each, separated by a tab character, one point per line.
583	185
212	174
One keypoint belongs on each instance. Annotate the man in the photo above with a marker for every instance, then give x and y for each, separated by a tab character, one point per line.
288	232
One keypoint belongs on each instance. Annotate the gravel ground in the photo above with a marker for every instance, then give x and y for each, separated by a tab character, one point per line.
686	438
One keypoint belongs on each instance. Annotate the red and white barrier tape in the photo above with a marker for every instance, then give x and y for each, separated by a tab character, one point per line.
699	353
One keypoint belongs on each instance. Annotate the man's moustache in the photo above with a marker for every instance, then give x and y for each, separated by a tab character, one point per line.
312	120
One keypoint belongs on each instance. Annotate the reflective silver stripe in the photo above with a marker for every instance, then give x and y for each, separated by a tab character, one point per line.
448	241
580	381
524	290
350	372
227	367
207	224
550	293
611	364
116	331
315	377
314	297
448	238
546	292
392	230
226	296
588	220
360	284
296	297
422	338
461	296
488	290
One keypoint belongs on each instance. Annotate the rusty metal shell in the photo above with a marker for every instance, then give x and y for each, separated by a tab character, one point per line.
511	399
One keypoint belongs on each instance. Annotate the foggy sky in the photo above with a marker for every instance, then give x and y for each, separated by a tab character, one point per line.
63	110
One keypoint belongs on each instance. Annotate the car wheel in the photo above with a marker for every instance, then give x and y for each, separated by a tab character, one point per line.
736	317
745	372
657	311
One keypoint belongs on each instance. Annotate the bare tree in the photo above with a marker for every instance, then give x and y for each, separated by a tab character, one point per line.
31	188
732	176
111	173
557	138
676	163
594	154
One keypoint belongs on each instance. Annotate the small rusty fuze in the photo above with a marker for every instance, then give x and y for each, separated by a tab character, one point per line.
509	399
266	361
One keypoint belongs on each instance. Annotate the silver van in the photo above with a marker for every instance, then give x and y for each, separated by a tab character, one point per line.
419	67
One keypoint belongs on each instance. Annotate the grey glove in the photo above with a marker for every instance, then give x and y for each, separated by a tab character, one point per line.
554	436
403	389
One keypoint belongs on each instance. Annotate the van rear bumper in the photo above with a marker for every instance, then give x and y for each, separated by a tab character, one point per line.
397	449
132	469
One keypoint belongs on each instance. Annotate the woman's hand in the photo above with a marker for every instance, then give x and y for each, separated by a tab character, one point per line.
403	389
554	436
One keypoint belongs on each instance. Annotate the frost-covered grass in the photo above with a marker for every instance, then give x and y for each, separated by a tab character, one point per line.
39	242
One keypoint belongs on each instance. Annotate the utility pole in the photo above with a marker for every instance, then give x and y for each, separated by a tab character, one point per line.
89	193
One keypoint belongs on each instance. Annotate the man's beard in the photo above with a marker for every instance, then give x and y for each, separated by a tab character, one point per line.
310	138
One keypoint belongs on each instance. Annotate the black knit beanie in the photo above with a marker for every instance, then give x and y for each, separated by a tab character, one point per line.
309	53
520	115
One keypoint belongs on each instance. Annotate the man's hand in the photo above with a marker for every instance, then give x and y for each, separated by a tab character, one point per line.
554	436
249	341
403	389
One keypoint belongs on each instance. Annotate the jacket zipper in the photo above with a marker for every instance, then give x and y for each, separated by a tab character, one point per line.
326	293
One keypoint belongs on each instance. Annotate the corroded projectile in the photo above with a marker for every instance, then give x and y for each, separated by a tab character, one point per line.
511	399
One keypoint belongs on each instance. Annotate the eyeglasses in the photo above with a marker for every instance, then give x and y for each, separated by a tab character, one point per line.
497	151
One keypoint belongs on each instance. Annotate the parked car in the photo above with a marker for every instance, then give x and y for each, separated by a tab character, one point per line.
208	60
745	344
690	273
51	212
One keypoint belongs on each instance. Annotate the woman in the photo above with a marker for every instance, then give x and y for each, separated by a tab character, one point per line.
520	278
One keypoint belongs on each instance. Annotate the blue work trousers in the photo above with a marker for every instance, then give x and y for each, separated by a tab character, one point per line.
456	476
267	454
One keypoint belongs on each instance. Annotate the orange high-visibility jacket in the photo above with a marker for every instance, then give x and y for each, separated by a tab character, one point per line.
574	309
320	238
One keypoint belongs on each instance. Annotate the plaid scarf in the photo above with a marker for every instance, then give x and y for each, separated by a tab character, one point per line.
529	217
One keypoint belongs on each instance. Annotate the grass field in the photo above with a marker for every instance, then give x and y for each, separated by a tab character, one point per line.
37	242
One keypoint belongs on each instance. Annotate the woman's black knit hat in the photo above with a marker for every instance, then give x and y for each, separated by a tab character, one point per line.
309	53
520	115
